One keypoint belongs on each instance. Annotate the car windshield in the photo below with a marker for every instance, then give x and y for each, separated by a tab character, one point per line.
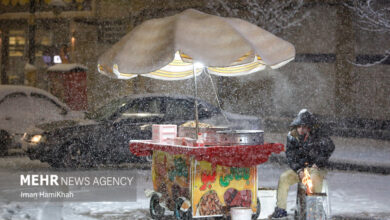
107	110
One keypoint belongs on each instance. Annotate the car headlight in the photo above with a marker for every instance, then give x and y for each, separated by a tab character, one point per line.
36	139
33	139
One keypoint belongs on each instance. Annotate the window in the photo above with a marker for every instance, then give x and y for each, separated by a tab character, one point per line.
141	108
37	95
13	95
46	109
14	104
17	41
206	110
180	109
15	111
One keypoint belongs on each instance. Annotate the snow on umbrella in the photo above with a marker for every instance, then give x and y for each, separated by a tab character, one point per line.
168	48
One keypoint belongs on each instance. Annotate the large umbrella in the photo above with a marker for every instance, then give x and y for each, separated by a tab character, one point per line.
181	46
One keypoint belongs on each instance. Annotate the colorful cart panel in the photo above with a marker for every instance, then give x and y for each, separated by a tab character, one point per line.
203	181
211	189
215	188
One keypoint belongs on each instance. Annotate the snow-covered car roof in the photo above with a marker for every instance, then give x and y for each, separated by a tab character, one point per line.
8	89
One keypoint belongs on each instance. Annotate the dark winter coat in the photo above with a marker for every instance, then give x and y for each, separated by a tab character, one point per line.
315	150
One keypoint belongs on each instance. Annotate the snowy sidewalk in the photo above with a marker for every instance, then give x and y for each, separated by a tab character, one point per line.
360	154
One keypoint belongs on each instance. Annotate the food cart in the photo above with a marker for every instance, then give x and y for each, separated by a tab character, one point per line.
203	181
196	181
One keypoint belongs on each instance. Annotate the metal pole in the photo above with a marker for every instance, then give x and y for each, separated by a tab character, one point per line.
196	102
31	33
4	55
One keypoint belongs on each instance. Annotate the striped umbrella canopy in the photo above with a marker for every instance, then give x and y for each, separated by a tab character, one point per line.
167	48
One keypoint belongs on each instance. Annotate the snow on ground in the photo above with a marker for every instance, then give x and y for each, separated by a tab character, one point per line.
352	194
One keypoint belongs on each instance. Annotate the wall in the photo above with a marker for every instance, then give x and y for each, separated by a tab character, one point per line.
311	81
326	43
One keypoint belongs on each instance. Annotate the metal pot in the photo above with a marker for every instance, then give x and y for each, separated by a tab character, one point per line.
240	137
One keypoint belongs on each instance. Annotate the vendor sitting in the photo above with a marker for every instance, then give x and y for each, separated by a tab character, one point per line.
307	147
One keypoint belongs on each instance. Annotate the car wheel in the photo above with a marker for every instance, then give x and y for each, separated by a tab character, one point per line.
78	155
5	141
149	158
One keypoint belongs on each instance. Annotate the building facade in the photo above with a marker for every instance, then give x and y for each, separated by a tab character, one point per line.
324	76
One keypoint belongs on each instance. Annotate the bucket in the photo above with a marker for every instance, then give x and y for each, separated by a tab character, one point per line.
241	213
267	198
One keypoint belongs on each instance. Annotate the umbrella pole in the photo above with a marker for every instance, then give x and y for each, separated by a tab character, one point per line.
196	102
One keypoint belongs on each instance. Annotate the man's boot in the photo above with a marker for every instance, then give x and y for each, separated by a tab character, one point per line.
278	213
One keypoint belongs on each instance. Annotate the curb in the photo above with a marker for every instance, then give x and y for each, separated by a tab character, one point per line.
346	217
341	165
340	127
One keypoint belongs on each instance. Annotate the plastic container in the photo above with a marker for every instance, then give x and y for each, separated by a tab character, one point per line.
161	133
241	213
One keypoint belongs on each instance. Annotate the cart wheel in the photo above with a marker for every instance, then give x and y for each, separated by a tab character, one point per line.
149	158
156	211
258	209
180	215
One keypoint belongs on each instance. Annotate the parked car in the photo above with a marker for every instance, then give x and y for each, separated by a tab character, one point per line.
22	107
103	137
